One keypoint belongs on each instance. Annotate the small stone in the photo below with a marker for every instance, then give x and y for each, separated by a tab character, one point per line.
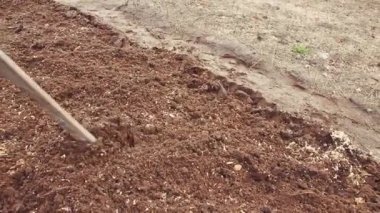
66	209
359	200
237	167
150	129
323	55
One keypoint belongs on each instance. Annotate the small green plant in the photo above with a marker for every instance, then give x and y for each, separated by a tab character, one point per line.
301	49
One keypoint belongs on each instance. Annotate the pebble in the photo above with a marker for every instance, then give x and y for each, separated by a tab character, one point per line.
237	167
66	209
150	129
359	200
323	55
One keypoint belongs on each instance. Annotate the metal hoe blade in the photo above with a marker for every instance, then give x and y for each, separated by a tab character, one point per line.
11	71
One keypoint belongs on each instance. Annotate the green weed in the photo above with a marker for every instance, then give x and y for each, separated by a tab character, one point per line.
301	49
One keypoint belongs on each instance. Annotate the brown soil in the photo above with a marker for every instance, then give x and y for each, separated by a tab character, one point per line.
172	136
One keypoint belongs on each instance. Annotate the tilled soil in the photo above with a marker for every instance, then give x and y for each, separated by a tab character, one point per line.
172	136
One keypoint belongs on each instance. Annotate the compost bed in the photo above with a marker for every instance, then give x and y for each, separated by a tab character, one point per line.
171	135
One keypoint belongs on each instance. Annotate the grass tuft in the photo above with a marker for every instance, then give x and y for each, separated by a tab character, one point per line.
301	49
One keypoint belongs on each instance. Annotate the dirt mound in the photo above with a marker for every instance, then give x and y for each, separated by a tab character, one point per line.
172	136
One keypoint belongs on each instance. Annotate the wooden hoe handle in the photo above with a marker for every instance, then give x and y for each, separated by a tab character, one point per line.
10	70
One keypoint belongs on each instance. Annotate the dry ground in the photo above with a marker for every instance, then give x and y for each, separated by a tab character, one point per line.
344	44
335	80
172	136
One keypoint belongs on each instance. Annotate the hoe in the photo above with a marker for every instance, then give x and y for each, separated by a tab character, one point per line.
11	71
